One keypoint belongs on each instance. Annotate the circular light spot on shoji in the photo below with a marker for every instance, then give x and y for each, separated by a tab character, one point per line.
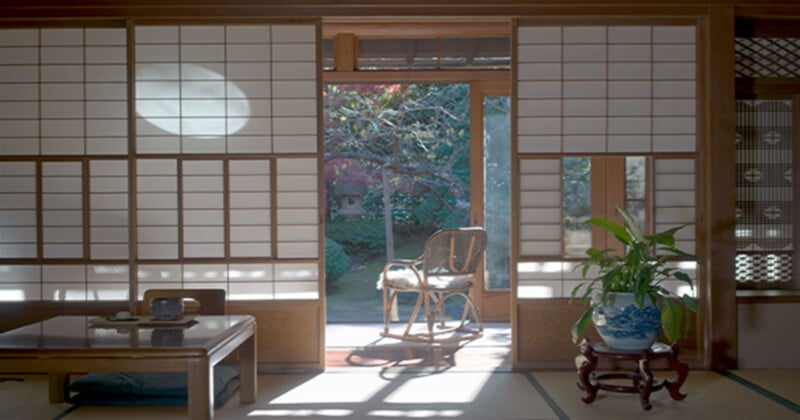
190	100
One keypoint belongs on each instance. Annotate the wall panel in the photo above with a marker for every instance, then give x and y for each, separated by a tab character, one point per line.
601	91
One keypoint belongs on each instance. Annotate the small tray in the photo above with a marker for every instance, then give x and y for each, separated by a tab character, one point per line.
143	322
113	322
177	322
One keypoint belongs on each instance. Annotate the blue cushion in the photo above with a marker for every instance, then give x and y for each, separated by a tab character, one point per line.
148	388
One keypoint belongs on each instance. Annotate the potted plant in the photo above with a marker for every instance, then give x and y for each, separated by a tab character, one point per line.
627	301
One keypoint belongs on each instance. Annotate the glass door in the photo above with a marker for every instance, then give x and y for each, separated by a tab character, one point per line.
491	174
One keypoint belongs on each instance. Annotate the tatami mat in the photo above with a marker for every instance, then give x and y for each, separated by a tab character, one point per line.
369	377
395	393
25	397
709	395
784	383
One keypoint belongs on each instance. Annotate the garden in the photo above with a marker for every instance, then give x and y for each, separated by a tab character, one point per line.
396	170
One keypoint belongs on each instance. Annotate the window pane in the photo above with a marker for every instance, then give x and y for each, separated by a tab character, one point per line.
432	53
634	178
497	191
635	189
327	54
637	210
475	53
396	54
577	188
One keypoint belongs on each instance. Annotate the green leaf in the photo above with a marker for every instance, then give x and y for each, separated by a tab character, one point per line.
680	275
671	317
631	226
689	302
666	237
612	227
577	289
581	325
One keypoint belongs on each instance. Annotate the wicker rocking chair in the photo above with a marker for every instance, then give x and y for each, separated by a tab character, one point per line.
447	268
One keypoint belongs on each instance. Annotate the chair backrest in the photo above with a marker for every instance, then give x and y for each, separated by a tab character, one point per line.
195	301
454	251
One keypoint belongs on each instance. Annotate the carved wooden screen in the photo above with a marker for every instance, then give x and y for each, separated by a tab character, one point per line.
764	205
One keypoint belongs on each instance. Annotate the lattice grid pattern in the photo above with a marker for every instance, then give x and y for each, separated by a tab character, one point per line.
226	139
767	57
767	267
764	192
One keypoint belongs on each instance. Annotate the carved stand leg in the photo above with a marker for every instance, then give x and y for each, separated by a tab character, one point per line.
644	382
587	367
682	370
647	386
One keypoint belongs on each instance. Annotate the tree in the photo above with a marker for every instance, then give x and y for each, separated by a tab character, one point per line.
577	191
414	138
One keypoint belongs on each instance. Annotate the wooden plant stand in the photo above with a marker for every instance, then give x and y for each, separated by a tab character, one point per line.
643	382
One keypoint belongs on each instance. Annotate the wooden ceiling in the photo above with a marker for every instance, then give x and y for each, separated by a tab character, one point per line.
389	10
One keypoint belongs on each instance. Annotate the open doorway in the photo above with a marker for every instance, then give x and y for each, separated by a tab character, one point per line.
397	168
401	161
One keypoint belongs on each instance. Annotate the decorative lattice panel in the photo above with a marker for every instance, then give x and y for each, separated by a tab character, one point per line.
764	191
769	268
767	57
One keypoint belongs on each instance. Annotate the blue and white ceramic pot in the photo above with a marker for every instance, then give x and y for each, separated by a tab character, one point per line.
623	325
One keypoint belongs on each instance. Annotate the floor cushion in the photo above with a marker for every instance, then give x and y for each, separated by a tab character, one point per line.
120	389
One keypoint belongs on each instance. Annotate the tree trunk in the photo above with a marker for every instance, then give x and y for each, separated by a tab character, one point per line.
387	220
387	214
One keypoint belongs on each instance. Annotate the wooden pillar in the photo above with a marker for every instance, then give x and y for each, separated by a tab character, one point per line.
608	193
717	165
345	52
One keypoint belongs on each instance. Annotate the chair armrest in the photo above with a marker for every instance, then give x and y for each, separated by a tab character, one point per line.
404	262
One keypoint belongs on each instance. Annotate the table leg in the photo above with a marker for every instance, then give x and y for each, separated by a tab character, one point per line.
57	387
201	390
647	386
682	369
586	368
248	387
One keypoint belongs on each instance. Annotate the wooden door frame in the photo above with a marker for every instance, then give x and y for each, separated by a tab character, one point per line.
495	305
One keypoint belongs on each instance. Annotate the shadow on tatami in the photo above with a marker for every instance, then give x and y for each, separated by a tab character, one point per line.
379	379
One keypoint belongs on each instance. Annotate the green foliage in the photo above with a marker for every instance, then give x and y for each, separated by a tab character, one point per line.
418	132
336	260
577	191
641	270
360	238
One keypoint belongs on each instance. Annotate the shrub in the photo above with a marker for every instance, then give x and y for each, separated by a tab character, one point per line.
336	261
360	238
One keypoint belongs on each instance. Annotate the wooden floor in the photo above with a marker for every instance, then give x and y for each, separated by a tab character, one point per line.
379	380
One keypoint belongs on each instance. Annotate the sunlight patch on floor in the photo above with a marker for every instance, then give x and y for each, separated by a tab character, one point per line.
417	414
462	388
323	389
332	413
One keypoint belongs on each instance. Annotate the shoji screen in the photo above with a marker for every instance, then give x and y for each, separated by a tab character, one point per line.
224	189
63	116
18	230
227	159
594	91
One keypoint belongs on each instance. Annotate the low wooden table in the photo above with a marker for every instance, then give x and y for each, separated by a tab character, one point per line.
643	382
68	344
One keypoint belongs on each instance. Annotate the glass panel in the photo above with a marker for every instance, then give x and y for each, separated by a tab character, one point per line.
635	185
431	53
577	205
327	54
494	53
397	54
497	209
